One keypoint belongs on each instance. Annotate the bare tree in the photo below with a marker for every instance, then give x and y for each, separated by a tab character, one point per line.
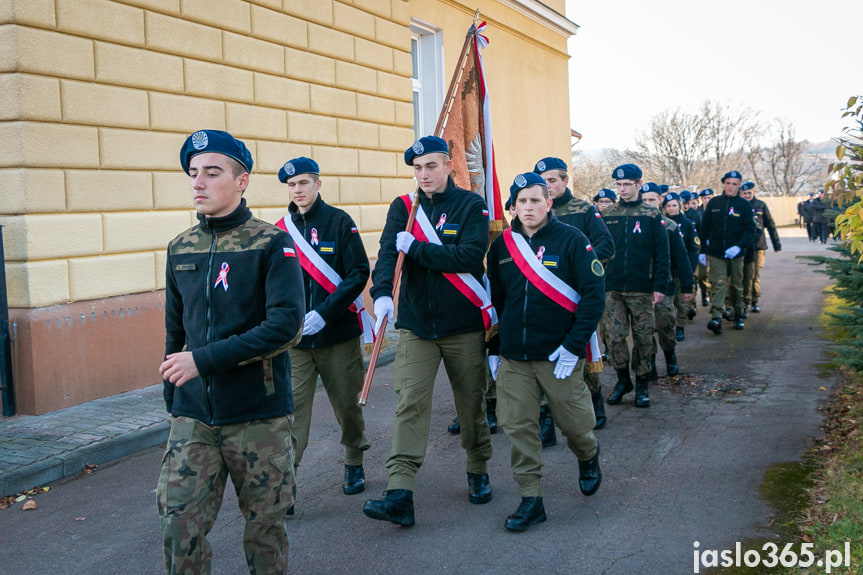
592	173
783	167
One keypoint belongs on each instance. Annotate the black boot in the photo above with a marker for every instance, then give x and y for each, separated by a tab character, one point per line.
715	325
671	362
547	435
738	321
728	314
691	313
745	313
705	301
598	409
355	480
529	512
624	386
641	397
491	414
397	506
679	334
589	474
755	308
454	427
480	490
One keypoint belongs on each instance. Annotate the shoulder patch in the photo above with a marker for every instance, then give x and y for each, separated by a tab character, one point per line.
596	268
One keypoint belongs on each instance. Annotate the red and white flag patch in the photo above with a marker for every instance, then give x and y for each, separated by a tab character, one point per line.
289	252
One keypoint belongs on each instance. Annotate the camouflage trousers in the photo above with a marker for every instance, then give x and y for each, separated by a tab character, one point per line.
519	388
701	279
341	369
726	278
625	313
664	312
198	459
681	306
752	279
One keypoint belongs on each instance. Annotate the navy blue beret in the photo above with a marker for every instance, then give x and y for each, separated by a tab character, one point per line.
732	174
217	141
650	187
605	193
747	186
670	197
663	188
426	145
550	163
297	166
705	192
626	172
685	195
523	181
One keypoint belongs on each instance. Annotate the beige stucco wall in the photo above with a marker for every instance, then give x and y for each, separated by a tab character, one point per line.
96	97
527	75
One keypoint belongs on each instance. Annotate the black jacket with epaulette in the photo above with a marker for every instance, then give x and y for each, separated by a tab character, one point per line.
727	221
691	241
429	305
641	259
334	236
532	325
679	259
764	221
584	216
234	298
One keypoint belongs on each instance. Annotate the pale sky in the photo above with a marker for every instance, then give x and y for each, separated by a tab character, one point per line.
631	59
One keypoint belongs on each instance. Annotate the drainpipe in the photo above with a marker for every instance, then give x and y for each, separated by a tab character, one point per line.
5	341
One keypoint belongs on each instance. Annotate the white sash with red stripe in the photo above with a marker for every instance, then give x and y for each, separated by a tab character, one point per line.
546	282
465	283
325	275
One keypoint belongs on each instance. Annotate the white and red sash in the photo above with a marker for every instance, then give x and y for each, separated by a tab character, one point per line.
465	283
325	275
546	282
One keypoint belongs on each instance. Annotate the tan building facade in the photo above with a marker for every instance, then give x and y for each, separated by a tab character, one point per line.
96	97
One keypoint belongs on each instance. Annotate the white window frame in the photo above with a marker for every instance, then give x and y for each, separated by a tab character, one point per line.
428	86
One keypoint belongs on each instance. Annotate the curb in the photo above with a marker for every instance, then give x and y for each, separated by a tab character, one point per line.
72	462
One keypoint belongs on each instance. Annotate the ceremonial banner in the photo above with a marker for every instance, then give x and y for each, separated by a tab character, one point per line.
465	124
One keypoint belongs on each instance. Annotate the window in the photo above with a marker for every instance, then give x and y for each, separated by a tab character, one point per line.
427	76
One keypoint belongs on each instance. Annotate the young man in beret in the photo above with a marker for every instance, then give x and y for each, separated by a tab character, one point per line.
439	319
335	271
233	307
584	216
727	229
635	280
752	269
680	283
672	208
604	199
547	285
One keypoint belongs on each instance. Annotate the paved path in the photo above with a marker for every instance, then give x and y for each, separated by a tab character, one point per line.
687	469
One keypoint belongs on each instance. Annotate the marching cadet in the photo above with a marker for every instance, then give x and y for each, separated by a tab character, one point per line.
680	283
584	216
335	271
701	275
636	279
727	228
547	283
444	311
671	206
752	270
604	198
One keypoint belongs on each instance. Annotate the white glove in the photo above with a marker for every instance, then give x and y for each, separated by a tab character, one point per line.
566	361
313	323
493	365
702	259
404	241
383	308
732	252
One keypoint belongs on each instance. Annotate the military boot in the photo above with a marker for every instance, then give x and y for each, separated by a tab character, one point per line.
671	362
738	321
355	480
589	474
691	313
454	427
755	308
598	409
679	334
624	386
397	506
745	313
715	325
547	435
491	414
641	397
529	512
480	490
652	374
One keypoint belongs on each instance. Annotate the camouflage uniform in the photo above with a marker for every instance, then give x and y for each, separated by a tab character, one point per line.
625	311
198	459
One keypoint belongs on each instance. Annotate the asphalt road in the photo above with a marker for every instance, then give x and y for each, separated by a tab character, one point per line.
687	469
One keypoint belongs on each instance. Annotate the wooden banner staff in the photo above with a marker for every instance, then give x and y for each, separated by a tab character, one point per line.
397	275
